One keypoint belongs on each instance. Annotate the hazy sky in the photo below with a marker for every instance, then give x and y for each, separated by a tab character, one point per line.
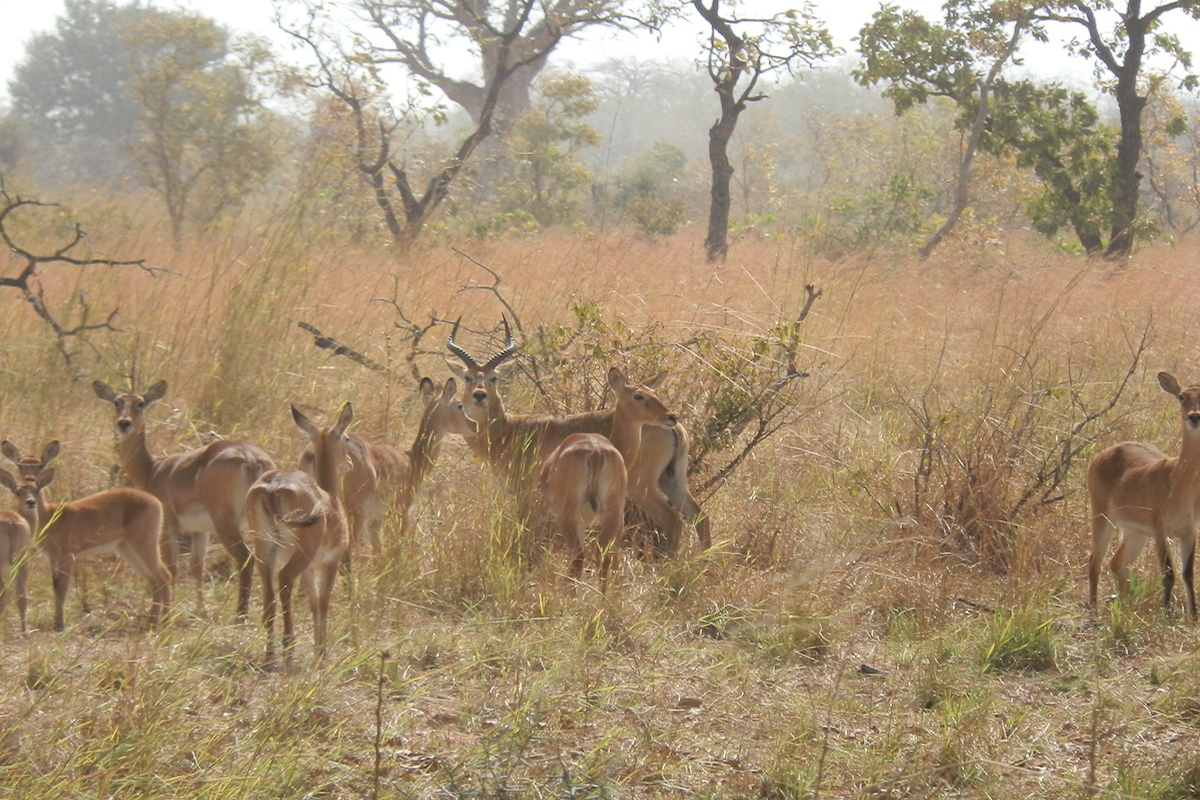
21	19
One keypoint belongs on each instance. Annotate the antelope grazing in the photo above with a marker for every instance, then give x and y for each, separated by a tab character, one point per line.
203	491
515	445
584	479
1148	495
125	521
299	531
382	477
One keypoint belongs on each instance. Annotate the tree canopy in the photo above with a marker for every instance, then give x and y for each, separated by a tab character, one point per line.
168	95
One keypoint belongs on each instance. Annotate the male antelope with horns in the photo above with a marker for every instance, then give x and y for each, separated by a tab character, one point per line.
515	445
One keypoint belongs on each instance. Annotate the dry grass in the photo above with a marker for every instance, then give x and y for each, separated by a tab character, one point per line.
734	673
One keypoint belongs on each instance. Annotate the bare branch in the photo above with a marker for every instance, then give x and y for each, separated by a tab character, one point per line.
34	294
338	349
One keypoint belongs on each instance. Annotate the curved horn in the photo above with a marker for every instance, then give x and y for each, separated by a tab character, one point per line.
457	350
510	348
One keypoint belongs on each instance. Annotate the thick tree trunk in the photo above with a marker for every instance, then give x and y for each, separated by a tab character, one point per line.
1123	191
1126	178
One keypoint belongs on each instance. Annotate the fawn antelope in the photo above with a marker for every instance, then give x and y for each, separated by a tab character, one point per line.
17	528
125	521
383	477
1148	495
300	532
584	478
203	490
514	445
29	467
16	535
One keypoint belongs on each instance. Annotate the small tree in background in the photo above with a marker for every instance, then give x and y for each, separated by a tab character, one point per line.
204	138
164	91
741	52
961	60
71	91
545	144
647	190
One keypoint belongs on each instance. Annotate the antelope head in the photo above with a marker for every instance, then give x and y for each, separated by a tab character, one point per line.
130	407
29	467
1189	401
480	395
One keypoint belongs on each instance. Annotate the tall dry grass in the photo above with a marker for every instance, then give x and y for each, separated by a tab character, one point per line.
882	526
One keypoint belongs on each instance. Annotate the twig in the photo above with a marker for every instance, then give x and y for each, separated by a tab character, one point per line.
377	773
495	290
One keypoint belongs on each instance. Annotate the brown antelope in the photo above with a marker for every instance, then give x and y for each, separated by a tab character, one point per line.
584	478
29	467
514	445
125	521
16	535
383	477
300	532
17	527
203	491
1148	495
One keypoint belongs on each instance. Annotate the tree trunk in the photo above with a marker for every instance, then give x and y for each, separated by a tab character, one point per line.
716	244
962	187
1126	180
1123	191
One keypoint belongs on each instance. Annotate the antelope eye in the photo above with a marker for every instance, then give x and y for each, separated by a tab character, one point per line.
141	404
639	396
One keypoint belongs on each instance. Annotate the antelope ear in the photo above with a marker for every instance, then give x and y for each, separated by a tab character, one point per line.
345	417
104	391
155	392
1168	383
457	369
656	381
428	390
449	390
10	451
8	480
304	423
616	379
44	479
49	452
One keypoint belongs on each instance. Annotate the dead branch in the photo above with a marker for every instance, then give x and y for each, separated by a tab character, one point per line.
338	349
25	281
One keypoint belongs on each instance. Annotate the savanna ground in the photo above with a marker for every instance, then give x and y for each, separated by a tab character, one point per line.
920	513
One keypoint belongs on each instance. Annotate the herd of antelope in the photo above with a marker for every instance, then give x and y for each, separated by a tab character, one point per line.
298	526
579	469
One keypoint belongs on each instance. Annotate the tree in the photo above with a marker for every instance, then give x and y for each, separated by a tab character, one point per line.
647	189
203	138
165	89
1172	166
961	60
357	85
434	39
545	144
1057	133
1121	39
747	48
72	88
